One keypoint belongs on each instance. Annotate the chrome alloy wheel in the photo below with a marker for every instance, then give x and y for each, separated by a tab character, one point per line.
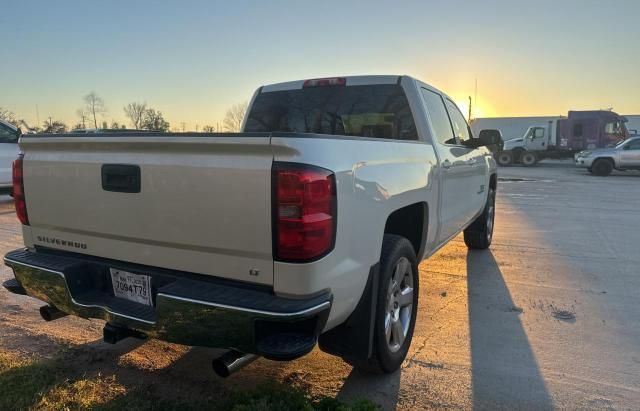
399	305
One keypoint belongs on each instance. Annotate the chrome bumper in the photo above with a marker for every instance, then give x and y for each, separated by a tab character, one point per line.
196	310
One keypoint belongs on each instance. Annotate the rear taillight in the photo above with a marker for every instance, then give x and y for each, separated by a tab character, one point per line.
18	191
304	212
322	82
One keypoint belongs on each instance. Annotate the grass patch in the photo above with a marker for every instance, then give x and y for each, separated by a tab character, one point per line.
27	384
283	398
24	380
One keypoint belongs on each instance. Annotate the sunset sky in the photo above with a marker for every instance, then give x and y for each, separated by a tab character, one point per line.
194	59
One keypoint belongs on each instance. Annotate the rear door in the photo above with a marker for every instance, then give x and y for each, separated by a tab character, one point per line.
456	172
8	153
200	204
630	154
474	158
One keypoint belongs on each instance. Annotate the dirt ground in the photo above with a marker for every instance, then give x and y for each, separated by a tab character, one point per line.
549	318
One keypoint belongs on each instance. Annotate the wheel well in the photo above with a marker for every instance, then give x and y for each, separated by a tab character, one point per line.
493	182
609	159
410	222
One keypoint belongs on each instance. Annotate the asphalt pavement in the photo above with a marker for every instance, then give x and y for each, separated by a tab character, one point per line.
548	318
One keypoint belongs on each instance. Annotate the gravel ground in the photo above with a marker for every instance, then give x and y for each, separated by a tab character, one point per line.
547	319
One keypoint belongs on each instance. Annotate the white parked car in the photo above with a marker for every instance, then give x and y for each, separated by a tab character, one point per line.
9	135
305	228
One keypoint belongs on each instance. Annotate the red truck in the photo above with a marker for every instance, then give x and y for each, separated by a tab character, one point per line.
562	138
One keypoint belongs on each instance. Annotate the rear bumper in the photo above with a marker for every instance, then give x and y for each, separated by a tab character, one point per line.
188	309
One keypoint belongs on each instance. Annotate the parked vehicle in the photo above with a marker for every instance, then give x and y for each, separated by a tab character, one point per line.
9	135
108	130
581	130
306	227
601	162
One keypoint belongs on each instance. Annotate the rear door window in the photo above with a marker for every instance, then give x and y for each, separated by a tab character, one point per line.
379	111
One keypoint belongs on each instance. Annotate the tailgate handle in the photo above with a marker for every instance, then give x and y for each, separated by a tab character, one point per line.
121	178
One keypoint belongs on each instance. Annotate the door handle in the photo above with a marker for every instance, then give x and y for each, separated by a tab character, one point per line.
121	178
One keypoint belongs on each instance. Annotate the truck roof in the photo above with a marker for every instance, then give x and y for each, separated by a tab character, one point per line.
350	81
582	114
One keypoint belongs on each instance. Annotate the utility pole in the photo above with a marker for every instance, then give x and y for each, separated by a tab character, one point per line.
475	96
183	124
469	118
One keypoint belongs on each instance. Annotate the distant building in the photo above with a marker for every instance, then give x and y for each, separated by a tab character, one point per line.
514	127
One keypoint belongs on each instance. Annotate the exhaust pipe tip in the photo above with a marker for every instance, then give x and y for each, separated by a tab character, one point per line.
50	313
112	334
231	362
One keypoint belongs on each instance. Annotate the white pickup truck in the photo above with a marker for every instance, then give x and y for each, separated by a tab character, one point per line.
307	227
9	135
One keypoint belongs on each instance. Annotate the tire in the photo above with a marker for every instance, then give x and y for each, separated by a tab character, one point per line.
517	154
396	306
504	158
602	167
479	234
590	170
528	158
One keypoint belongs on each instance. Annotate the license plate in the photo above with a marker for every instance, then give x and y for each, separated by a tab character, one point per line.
130	286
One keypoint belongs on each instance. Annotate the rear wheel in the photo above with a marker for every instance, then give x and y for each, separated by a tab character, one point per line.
504	158
517	154
396	306
479	234
528	158
602	167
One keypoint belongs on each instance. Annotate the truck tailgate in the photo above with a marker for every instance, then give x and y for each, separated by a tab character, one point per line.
203	204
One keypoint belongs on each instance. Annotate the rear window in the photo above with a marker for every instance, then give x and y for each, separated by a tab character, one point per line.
379	111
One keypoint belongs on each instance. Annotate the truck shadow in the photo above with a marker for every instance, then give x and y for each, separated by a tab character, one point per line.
505	373
381	389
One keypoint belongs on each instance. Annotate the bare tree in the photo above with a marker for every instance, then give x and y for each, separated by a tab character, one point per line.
94	106
153	120
208	129
54	126
135	112
233	119
7	115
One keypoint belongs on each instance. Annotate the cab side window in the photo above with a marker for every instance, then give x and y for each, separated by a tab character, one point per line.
538	133
7	135
633	145
459	124
439	117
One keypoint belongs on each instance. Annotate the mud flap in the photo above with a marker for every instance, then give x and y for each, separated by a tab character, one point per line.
353	339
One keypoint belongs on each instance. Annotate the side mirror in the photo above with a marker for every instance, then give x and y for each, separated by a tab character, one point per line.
492	139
